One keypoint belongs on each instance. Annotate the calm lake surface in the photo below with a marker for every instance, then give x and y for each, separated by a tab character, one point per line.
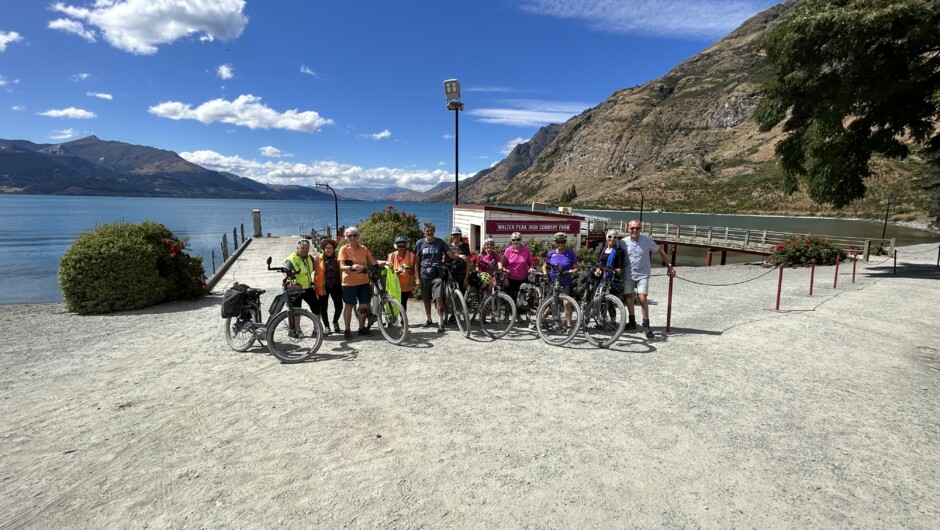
35	231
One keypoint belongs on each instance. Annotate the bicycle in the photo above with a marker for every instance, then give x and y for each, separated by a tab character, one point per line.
604	315
531	294
497	310
385	309
283	332
454	301
559	315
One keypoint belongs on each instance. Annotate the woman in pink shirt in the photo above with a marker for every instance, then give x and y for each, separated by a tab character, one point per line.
517	260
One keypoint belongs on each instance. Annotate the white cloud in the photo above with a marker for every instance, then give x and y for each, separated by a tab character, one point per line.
74	27
377	136
139	26
448	136
273	152
305	70
225	71
71	112
3	81
489	89
338	175
694	19
18	108
530	113
7	37
100	95
63	134
80	77
511	144
245	110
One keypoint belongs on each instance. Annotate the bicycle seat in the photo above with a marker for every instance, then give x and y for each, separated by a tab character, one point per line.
253	291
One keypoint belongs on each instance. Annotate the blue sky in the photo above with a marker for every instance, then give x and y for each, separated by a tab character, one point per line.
344	92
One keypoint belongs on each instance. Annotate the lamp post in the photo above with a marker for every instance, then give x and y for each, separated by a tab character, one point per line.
888	200
335	203
642	199
452	91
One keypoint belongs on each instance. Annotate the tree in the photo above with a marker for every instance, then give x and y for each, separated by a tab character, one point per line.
851	78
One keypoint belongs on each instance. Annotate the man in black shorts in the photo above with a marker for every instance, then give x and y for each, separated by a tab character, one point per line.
431	251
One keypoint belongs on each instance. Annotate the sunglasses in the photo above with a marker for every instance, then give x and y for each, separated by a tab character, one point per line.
401	245
633	228
353	235
516	240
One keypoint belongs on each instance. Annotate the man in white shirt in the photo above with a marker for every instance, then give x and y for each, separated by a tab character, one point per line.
638	248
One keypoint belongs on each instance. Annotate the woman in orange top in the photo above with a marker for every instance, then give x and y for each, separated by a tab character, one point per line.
353	260
403	262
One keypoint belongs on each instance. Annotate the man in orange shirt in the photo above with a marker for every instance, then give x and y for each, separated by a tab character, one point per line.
353	260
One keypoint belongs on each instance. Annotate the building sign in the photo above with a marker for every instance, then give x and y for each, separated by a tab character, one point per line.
547	226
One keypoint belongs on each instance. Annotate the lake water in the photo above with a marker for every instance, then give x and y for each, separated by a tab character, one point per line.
35	231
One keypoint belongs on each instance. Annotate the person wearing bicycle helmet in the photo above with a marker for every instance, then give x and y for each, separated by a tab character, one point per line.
517	260
566	259
487	262
403	262
430	251
304	267
353	259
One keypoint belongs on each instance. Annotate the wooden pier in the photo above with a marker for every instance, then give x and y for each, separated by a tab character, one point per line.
748	240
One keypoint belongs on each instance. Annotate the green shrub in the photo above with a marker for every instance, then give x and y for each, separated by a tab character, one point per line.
379	231
801	250
123	266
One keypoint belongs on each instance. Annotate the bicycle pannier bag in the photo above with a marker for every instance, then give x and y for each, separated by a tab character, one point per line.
233	299
277	305
525	294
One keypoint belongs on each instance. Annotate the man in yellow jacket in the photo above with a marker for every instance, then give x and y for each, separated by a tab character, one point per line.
304	266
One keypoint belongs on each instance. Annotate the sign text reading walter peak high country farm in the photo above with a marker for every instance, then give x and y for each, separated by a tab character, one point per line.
532	227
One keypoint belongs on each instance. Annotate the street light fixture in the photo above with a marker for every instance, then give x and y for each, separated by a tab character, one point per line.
888	200
642	199
335	203
452	91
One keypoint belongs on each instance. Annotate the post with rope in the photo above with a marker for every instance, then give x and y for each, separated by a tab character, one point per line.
854	263
895	254
812	273
835	279
669	304
779	286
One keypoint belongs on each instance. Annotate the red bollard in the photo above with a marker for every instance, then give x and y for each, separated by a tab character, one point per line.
895	262
835	280
854	262
669	306
708	258
812	272
779	285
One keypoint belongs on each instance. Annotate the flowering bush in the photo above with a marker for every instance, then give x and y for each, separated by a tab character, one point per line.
379	231
123	266
802	249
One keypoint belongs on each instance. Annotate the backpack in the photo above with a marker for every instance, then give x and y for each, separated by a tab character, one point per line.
525	296
233	299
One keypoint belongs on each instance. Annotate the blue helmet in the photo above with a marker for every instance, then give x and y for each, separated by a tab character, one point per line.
401	239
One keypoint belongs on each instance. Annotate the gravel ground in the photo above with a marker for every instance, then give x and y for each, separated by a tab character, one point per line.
822	414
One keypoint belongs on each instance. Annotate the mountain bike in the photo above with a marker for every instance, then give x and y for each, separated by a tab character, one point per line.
454	302
292	334
497	310
559	316
531	294
385	309
604	315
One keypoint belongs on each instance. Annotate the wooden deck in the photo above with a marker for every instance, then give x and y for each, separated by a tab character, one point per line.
749	241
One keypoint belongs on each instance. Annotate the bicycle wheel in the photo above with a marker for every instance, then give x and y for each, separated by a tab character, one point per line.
497	314
461	315
473	301
238	332
553	324
604	319
393	321
294	344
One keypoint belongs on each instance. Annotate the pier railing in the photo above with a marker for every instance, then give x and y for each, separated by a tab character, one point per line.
754	241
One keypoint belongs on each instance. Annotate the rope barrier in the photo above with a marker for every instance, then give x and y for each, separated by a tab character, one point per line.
724	284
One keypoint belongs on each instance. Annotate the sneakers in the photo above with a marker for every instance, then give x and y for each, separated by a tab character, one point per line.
336	326
365	333
631	326
440	329
452	319
429	324
347	334
296	334
649	333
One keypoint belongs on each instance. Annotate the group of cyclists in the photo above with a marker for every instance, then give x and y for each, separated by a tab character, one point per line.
341	275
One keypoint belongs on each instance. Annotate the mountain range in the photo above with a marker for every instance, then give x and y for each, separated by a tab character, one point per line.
682	142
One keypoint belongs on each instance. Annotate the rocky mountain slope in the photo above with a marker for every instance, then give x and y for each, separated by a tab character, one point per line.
687	139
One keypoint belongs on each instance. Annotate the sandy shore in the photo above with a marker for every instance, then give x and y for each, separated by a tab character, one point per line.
824	414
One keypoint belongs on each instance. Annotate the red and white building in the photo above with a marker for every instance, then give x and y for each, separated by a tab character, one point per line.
480	222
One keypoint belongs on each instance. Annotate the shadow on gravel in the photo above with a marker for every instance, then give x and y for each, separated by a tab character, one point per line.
172	307
906	270
688	331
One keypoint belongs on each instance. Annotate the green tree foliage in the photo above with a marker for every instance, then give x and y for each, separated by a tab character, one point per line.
123	266
851	78
379	231
569	195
